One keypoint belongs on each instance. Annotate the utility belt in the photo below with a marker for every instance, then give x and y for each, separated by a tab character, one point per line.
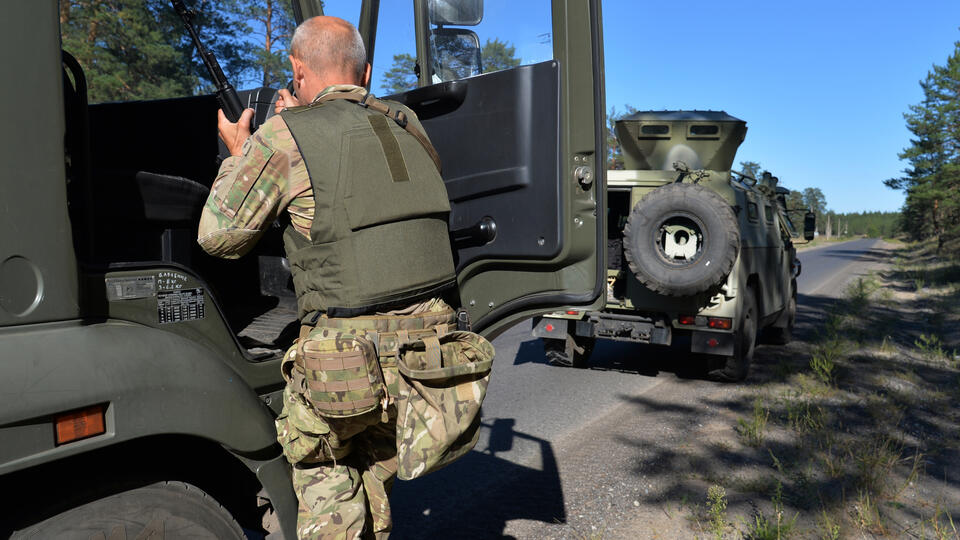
435	374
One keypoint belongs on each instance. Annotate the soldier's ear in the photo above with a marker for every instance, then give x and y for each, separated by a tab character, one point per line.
366	75
297	66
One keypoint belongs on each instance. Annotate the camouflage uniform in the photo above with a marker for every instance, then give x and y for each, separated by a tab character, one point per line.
342	467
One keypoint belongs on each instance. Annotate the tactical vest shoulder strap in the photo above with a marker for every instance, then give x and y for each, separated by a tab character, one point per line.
367	100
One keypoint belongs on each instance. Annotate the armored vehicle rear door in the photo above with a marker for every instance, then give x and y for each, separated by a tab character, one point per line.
520	131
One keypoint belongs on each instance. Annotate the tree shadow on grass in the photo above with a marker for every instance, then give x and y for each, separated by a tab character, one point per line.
886	426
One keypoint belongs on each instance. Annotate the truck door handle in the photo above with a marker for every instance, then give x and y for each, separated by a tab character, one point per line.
482	233
435	99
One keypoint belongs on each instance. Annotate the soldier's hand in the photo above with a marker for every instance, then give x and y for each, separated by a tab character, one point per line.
285	100
234	135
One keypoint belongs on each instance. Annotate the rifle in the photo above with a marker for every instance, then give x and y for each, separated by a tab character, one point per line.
226	94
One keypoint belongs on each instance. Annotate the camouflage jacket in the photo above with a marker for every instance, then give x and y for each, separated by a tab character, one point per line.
253	188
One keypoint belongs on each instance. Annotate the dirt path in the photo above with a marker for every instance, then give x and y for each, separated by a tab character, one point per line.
851	431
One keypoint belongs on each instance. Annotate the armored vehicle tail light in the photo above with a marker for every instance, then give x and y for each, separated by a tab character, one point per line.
720	323
80	424
687	320
573	312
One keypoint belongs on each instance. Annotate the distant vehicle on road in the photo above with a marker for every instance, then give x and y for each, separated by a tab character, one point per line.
695	251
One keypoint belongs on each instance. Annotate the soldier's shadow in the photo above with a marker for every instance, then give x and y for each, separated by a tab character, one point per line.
476	496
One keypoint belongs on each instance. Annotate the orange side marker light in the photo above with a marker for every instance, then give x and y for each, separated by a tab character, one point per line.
80	424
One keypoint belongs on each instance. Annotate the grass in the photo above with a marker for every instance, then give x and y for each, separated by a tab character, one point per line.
751	430
717	511
865	417
777	527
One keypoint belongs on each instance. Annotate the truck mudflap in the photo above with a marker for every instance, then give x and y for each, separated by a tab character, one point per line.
613	326
715	343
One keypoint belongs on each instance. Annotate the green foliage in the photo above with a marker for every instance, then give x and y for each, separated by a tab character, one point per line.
139	49
932	179
497	55
777	527
751	430
129	50
717	510
401	76
270	23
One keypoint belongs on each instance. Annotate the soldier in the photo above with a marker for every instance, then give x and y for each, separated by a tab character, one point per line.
369	251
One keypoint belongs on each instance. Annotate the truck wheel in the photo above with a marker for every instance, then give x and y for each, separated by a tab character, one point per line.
781	335
736	367
166	510
681	239
571	352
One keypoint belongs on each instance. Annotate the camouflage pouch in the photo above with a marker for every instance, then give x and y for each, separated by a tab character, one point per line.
300	432
443	381
342	373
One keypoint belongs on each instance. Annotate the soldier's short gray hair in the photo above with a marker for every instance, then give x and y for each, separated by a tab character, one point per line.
336	45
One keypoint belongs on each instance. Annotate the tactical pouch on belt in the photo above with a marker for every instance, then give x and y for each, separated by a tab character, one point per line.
342	373
443	380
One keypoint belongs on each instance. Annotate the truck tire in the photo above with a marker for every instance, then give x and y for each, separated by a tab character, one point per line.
166	510
736	368
571	352
681	239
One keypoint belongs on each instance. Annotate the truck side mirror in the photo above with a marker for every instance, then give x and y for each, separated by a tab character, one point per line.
457	13
809	225
456	53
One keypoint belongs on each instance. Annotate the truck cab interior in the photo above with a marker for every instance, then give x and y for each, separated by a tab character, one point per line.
139	175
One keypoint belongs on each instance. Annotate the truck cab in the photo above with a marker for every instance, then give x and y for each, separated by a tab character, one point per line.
139	375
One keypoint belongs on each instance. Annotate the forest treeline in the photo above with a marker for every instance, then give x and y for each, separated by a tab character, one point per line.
139	49
931	181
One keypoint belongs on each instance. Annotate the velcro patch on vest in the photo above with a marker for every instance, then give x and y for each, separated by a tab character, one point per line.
391	148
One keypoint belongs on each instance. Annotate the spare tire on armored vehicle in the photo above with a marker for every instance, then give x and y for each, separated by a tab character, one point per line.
681	239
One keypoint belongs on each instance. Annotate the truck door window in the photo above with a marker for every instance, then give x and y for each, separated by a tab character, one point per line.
141	51
768	213
501	40
394	68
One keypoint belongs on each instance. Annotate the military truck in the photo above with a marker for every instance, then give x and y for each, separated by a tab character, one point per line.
697	254
139	377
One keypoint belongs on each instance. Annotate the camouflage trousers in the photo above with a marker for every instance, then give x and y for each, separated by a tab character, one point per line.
343	468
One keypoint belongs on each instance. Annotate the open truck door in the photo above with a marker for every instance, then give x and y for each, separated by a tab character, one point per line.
522	150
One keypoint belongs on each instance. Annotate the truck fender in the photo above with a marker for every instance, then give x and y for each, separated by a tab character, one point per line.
151	381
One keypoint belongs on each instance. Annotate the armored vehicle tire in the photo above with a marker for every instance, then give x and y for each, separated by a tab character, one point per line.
781	335
735	368
572	352
163	510
681	239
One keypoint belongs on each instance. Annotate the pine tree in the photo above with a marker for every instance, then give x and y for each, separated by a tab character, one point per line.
498	55
138	49
401	76
932	179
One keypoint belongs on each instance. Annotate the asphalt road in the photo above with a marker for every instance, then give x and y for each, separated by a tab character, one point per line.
532	408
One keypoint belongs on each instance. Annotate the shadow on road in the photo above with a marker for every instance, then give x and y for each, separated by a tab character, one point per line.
475	497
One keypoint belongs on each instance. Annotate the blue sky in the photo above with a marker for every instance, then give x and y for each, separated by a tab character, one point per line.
822	85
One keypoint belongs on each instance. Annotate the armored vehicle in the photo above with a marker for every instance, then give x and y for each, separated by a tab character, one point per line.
696	253
139	377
